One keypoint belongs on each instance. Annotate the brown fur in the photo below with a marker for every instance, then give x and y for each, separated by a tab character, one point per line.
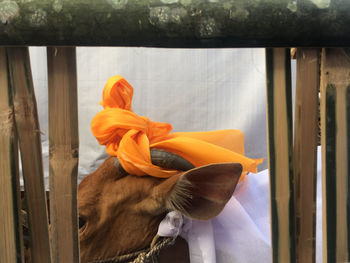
122	213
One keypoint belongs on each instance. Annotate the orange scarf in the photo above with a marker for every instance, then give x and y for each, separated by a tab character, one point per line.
130	137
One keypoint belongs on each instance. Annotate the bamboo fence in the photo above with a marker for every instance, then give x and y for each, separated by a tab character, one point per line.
30	147
279	123
11	244
335	132
64	149
275	24
305	151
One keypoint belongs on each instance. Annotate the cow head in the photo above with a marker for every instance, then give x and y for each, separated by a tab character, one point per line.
120	213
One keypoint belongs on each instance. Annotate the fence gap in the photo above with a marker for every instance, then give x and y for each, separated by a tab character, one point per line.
64	146
305	151
335	136
28	129
279	123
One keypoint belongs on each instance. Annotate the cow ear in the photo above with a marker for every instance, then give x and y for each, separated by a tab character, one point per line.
201	193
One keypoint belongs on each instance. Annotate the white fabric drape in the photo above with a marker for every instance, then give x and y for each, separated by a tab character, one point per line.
241	232
193	89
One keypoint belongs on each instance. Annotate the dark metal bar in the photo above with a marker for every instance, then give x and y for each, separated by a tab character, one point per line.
175	23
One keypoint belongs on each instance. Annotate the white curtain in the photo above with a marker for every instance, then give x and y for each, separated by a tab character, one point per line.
193	89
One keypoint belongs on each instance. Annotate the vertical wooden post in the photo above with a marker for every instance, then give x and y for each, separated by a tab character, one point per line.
30	145
305	152
335	136
64	144
279	120
11	245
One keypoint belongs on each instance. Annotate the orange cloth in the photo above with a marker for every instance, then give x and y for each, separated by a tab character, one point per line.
130	137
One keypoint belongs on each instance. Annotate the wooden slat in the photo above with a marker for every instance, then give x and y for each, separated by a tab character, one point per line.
279	112
64	143
11	245
305	152
30	145
335	136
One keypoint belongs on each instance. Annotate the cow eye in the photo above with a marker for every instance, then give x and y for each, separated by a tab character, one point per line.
81	222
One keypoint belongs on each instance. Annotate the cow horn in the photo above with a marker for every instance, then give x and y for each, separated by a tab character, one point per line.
164	159
169	160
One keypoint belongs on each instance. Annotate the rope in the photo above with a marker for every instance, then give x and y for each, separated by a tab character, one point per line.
143	256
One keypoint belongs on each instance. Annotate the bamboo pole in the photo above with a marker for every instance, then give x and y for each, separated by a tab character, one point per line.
30	145
335	137
279	121
305	152
11	244
64	146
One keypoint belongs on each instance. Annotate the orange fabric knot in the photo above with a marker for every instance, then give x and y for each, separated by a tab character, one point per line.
130	137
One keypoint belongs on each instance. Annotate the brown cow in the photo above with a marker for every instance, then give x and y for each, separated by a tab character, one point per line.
120	213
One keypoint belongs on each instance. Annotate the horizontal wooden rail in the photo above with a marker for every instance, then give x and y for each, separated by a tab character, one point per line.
175	23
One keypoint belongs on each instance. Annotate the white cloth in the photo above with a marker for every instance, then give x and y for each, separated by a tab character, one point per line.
241	232
173	224
193	89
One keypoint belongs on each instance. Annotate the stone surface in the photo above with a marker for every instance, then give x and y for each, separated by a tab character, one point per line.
175	23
